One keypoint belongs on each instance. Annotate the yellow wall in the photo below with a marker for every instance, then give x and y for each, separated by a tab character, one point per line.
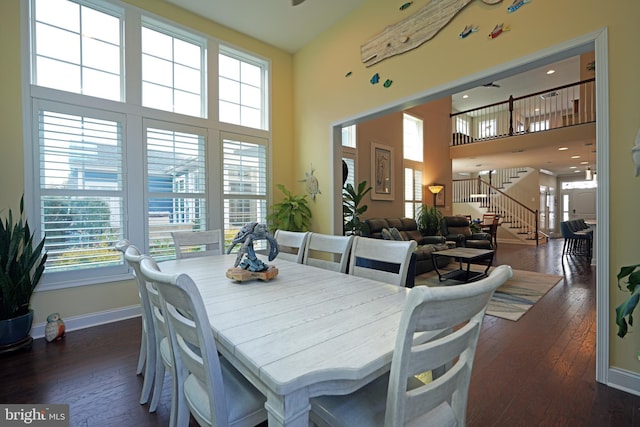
110	296
324	96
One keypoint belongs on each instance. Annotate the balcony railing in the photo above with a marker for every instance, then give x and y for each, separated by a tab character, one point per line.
563	106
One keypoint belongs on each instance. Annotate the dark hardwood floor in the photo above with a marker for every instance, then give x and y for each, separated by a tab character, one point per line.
538	371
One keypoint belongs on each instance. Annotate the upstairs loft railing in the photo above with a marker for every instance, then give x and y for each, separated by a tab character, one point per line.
515	215
563	106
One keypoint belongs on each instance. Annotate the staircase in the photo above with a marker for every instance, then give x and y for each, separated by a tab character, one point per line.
501	195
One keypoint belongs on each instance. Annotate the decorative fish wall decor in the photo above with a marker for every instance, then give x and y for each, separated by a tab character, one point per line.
517	4
413	31
497	30
468	30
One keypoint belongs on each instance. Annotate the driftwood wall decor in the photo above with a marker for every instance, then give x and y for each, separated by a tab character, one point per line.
413	31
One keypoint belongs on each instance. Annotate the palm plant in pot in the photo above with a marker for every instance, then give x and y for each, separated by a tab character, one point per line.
21	266
292	213
428	220
352	208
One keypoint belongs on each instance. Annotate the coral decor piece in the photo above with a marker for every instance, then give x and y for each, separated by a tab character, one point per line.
249	233
413	31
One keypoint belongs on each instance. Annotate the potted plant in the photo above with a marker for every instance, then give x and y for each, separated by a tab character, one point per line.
624	312
291	214
428	220
351	209
21	266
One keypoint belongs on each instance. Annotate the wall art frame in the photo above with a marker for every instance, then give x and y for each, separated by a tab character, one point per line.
382	177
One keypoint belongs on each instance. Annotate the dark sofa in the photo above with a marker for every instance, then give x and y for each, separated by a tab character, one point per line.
408	229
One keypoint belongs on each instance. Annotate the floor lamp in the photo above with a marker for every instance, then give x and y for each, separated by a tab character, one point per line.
435	189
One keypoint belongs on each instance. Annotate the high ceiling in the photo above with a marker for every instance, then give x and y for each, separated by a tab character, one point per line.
289	27
276	22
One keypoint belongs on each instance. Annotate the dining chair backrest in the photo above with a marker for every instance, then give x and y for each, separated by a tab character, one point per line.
291	244
489	219
192	244
328	251
164	355
382	260
192	338
458	310
452	315
147	358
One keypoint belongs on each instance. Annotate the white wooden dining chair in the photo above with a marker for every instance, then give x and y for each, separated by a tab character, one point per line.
382	260
192	244
328	251
215	392
291	244
179	415
400	398
147	357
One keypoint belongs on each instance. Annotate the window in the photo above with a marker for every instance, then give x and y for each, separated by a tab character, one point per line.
349	136
172	71
538	126
80	186
412	192
462	125
487	128
77	48
242	84
176	187
412	138
150	163
244	183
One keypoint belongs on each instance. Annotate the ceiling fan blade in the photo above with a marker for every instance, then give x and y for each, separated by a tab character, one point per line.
296	2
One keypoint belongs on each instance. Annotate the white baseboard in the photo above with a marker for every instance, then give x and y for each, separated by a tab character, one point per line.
624	380
91	319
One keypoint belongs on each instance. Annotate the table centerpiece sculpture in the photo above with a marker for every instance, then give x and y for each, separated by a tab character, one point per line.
248	266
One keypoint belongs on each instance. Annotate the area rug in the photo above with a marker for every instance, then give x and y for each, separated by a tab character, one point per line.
511	300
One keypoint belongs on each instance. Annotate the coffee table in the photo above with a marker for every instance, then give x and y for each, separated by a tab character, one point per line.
468	255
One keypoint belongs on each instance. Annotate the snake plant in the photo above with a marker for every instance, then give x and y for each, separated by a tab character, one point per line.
21	265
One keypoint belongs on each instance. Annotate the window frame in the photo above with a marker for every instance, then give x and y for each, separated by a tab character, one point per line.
264	66
135	226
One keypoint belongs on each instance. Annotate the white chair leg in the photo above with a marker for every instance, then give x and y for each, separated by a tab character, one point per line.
143	350
149	376
158	383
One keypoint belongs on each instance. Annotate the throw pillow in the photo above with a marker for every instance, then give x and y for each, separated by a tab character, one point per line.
395	234
386	234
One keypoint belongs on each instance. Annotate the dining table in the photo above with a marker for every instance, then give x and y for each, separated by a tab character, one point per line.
306	332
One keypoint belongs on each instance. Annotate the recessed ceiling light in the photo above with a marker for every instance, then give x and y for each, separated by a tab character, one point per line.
536	109
465	96
575	157
584	163
577	171
551	71
572	167
563	148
